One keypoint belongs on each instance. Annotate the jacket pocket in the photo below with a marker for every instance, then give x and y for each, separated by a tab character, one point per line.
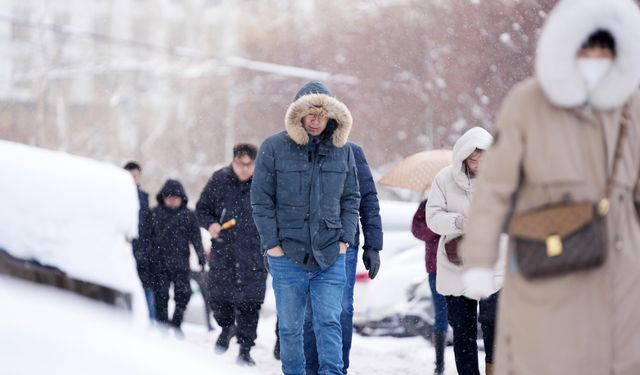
291	227
333	223
290	175
329	236
334	175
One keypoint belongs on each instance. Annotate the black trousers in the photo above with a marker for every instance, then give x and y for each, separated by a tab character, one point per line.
244	314
181	295
463	318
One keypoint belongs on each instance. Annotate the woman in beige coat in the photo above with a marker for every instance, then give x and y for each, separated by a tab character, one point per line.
446	212
555	141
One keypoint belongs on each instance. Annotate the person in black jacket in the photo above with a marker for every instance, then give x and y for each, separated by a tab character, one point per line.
141	245
237	277
174	227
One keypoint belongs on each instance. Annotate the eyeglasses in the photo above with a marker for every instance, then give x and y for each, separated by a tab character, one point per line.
243	165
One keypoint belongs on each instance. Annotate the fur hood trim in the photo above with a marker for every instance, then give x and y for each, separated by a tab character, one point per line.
321	104
569	25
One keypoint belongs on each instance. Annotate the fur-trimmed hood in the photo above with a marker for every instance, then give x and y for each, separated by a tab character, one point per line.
315	98
472	139
569	25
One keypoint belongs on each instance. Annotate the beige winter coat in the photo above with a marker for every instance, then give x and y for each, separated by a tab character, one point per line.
449	198
588	322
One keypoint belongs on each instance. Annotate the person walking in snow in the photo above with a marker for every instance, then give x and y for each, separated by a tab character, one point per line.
237	276
555	142
447	210
174	227
422	232
145	264
305	203
369	212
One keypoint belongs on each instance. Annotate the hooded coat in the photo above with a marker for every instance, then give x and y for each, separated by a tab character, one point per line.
304	194
142	251
369	210
173	230
556	140
449	198
237	273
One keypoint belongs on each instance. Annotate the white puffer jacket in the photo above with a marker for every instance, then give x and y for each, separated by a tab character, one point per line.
450	197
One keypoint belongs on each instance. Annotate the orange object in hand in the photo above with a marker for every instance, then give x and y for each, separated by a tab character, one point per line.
229	224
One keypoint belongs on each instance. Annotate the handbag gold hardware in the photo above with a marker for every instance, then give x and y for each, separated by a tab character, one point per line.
554	245
603	206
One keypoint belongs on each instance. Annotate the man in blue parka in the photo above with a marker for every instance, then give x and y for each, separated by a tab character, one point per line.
305	202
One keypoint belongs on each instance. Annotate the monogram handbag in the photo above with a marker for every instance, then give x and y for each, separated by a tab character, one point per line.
565	237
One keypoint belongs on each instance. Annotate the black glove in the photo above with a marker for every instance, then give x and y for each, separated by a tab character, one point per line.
371	259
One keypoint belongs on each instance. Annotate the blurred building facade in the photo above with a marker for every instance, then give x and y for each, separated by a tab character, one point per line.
112	80
156	80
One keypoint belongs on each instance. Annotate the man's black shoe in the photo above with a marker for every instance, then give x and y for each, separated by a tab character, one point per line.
276	349
244	359
222	344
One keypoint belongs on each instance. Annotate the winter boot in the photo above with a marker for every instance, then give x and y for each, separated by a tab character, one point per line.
176	320
439	343
222	344
244	358
276	349
488	369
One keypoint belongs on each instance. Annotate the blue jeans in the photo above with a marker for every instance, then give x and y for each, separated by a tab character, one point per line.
293	286
151	304
439	306
346	319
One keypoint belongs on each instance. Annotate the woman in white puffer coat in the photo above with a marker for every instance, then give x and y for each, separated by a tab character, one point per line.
446	212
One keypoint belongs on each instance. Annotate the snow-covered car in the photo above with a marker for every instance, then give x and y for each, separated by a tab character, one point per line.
72	214
72	300
396	225
398	301
402	269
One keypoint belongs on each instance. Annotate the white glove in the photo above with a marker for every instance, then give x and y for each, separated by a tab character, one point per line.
478	283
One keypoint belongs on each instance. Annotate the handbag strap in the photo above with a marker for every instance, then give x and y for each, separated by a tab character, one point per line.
604	204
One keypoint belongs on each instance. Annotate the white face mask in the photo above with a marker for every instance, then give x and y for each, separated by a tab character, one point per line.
593	69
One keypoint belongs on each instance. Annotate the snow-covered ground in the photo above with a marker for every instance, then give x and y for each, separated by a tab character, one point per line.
71	335
369	355
47	330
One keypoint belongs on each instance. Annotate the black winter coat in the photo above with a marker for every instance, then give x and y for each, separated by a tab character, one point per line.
142	245
173	230
237	273
369	206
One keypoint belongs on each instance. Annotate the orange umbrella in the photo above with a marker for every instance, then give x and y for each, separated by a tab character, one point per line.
416	172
